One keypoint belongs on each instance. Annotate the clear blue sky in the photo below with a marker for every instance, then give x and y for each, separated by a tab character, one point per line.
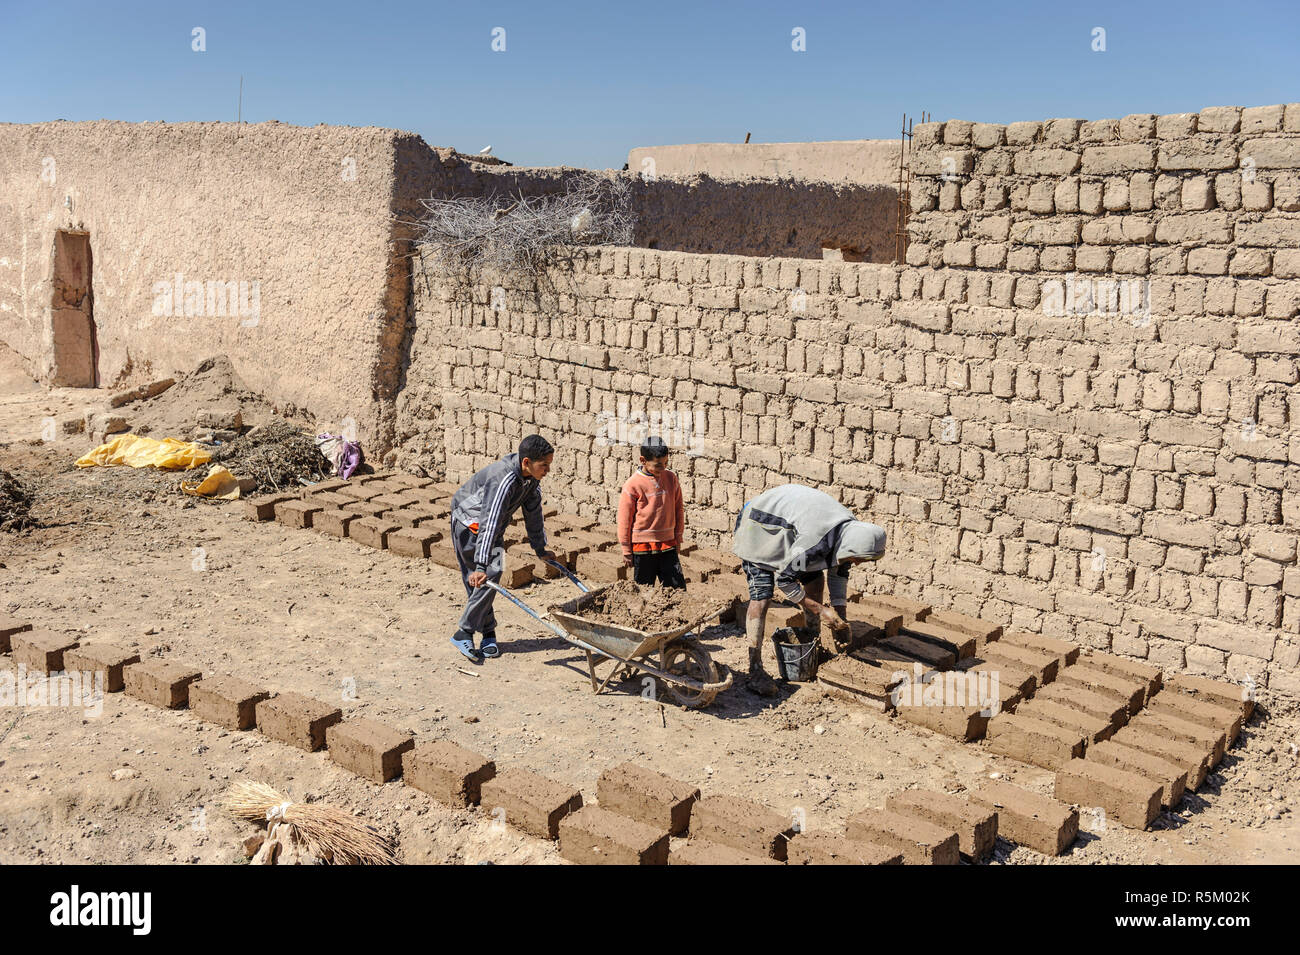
581	82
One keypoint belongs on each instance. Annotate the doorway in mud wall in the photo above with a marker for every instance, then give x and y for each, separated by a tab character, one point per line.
74	360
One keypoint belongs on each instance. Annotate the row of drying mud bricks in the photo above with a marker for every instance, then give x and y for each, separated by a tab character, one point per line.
409	515
1099	720
638	809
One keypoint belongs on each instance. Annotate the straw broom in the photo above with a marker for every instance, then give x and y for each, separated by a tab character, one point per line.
324	831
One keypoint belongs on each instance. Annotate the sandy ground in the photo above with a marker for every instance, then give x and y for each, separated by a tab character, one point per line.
122	558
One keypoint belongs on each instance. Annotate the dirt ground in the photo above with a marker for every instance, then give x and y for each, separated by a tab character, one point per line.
123	558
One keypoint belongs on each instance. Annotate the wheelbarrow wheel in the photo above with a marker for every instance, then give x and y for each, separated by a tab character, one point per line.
687	658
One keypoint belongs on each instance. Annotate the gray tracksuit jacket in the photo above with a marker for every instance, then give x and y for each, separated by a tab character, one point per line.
792	530
490	499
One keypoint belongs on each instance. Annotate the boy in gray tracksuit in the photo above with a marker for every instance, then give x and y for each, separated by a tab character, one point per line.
481	510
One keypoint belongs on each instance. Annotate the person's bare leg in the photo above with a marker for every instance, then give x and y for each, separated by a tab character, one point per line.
755	623
812	622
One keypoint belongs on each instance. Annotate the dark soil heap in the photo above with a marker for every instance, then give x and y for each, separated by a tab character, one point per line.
652	608
276	455
16	499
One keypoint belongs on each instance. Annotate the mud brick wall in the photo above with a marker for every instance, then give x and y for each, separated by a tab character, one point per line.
1083	476
1213	194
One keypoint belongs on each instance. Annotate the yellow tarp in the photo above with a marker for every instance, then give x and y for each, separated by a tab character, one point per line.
135	451
219	483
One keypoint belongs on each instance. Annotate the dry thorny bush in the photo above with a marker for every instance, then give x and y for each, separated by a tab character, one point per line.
526	234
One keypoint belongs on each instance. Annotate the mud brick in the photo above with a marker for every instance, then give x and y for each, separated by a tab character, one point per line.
889	624
417	516
741	824
575	522
372	531
227	701
445	487
263	508
725	559
700	852
1028	819
328	486
783	616
1213	741
444	555
410	480
965	723
648	797
1215	691
1065	652
1171	777
101	658
833	848
359	492
1187	707
857	680
329	499
960	645
412	541
921	842
920	650
727	601
1018	678
982	630
371	750
517	575
532	803
164	683
449	773
1194	759
588	542
8	627
1131	669
334	522
1093	728
913	611
1033	741
394	501
1111	709
364	509
296	512
696	571
594	835
297	720
41	651
601	568
1043	665
1132	799
1130	692
976	826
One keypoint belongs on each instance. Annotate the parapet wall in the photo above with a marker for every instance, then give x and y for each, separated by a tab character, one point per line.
858	161
1128	482
1210	194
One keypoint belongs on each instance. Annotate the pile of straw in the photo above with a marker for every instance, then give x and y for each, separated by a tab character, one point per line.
320	833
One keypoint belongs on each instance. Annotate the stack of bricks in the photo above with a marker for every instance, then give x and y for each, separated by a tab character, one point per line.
1127	481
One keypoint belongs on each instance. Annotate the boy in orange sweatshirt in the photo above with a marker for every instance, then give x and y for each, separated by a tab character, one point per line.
651	519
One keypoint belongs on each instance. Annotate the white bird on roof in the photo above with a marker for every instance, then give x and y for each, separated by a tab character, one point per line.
485	150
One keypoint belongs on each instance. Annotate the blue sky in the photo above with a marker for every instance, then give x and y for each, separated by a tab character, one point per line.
579	83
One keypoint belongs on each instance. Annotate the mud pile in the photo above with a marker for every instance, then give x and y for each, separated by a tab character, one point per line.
651	608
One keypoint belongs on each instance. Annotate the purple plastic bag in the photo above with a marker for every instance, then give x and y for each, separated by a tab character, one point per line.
345	455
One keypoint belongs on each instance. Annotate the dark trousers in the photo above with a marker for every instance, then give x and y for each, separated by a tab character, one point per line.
478	615
663	566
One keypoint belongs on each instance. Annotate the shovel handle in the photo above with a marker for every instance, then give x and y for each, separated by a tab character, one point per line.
567	573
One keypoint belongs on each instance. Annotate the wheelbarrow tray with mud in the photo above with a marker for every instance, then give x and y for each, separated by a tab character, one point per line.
689	675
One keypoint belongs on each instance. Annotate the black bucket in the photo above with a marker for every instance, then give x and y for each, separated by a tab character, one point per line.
795	662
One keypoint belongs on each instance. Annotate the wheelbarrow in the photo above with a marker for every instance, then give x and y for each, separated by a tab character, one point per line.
688	674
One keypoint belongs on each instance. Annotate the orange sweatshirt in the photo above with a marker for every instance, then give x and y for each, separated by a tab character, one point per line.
650	512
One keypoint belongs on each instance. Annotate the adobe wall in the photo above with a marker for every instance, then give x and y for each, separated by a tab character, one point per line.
1129	479
859	161
265	204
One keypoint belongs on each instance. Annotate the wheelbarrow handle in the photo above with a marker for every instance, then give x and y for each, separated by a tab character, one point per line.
568	573
540	618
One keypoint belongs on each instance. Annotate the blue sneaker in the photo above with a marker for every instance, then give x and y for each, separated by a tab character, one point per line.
489	646
465	644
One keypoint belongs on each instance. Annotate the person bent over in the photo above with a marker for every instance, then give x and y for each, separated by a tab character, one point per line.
793	538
